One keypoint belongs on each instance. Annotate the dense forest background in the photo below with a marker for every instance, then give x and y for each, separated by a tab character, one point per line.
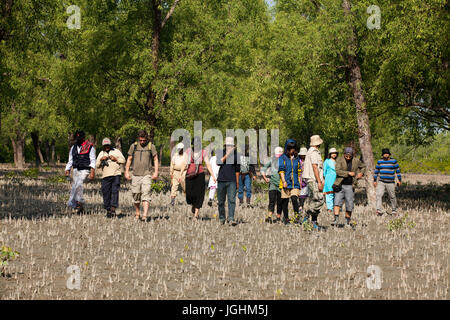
304	67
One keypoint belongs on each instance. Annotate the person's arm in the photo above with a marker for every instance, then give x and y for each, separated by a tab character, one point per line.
69	163
397	171
315	167
172	164
227	154
264	171
208	165
92	163
340	170
120	158
127	167
237	170
361	170
155	161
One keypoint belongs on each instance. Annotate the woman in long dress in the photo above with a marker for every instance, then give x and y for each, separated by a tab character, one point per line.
329	172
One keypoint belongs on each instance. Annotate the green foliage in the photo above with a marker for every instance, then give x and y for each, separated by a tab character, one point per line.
11	174
161	186
400	223
259	186
31	173
56	179
6	254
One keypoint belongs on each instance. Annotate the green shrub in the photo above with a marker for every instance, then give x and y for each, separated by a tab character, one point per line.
11	174
56	179
400	223
260	186
31	173
6	254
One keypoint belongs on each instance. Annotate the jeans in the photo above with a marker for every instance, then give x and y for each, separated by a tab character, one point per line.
245	181
226	189
110	192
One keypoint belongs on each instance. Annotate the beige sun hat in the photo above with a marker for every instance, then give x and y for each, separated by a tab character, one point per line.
106	141
332	150
303	151
229	141
316	141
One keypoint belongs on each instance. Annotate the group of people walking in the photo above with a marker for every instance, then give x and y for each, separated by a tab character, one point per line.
293	173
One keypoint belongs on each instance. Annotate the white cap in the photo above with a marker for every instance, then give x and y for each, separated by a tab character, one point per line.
180	146
229	141
278	151
106	141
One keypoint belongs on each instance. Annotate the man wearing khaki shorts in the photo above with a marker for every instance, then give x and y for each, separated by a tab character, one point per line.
141	154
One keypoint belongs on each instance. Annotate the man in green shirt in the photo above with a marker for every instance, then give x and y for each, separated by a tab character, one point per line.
274	185
141	154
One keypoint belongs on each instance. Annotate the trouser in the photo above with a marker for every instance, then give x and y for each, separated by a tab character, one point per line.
301	203
226	189
176	183
316	199
110	192
212	192
390	187
76	194
275	198
245	181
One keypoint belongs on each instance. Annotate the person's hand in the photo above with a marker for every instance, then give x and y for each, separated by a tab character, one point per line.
285	184
375	184
359	175
113	158
66	173
171	177
320	185
91	175
155	176
399	183
127	175
214	179
351	174
104	158
254	178
266	180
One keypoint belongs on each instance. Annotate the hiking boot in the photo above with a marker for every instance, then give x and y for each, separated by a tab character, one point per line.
109	214
393	213
277	220
241	202
172	202
315	226
210	202
379	213
269	219
222	221
232	222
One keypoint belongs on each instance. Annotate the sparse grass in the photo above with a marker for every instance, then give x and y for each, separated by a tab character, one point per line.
173	257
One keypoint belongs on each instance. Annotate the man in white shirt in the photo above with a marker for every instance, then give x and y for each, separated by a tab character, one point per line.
313	173
82	160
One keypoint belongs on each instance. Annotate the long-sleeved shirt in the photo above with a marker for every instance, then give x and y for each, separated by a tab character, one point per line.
91	157
178	162
387	169
113	168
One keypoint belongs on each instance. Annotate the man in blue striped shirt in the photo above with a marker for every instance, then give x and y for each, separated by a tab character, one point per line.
387	168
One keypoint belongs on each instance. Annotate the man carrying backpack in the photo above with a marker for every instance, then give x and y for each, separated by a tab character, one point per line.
141	154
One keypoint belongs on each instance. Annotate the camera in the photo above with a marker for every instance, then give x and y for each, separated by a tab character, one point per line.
104	163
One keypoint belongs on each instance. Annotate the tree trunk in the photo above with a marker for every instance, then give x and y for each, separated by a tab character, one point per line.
118	143
160	154
356	85
47	150
37	149
52	150
326	146
18	143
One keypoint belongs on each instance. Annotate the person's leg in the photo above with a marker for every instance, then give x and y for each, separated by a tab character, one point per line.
231	194
279	207
301	203
212	192
330	201
390	187
221	197
115	187
285	208
79	197
241	190
248	187
317	201
72	203
146	187
200	196
380	193
272	201
174	189
349	203
106	193
137	194
338	202
295	205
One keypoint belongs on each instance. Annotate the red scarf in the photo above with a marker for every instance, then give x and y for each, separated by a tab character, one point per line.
85	147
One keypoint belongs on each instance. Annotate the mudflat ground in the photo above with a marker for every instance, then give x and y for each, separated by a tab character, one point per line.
173	257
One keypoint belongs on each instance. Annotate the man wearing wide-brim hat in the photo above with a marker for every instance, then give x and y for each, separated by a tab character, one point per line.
110	161
313	173
228	180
